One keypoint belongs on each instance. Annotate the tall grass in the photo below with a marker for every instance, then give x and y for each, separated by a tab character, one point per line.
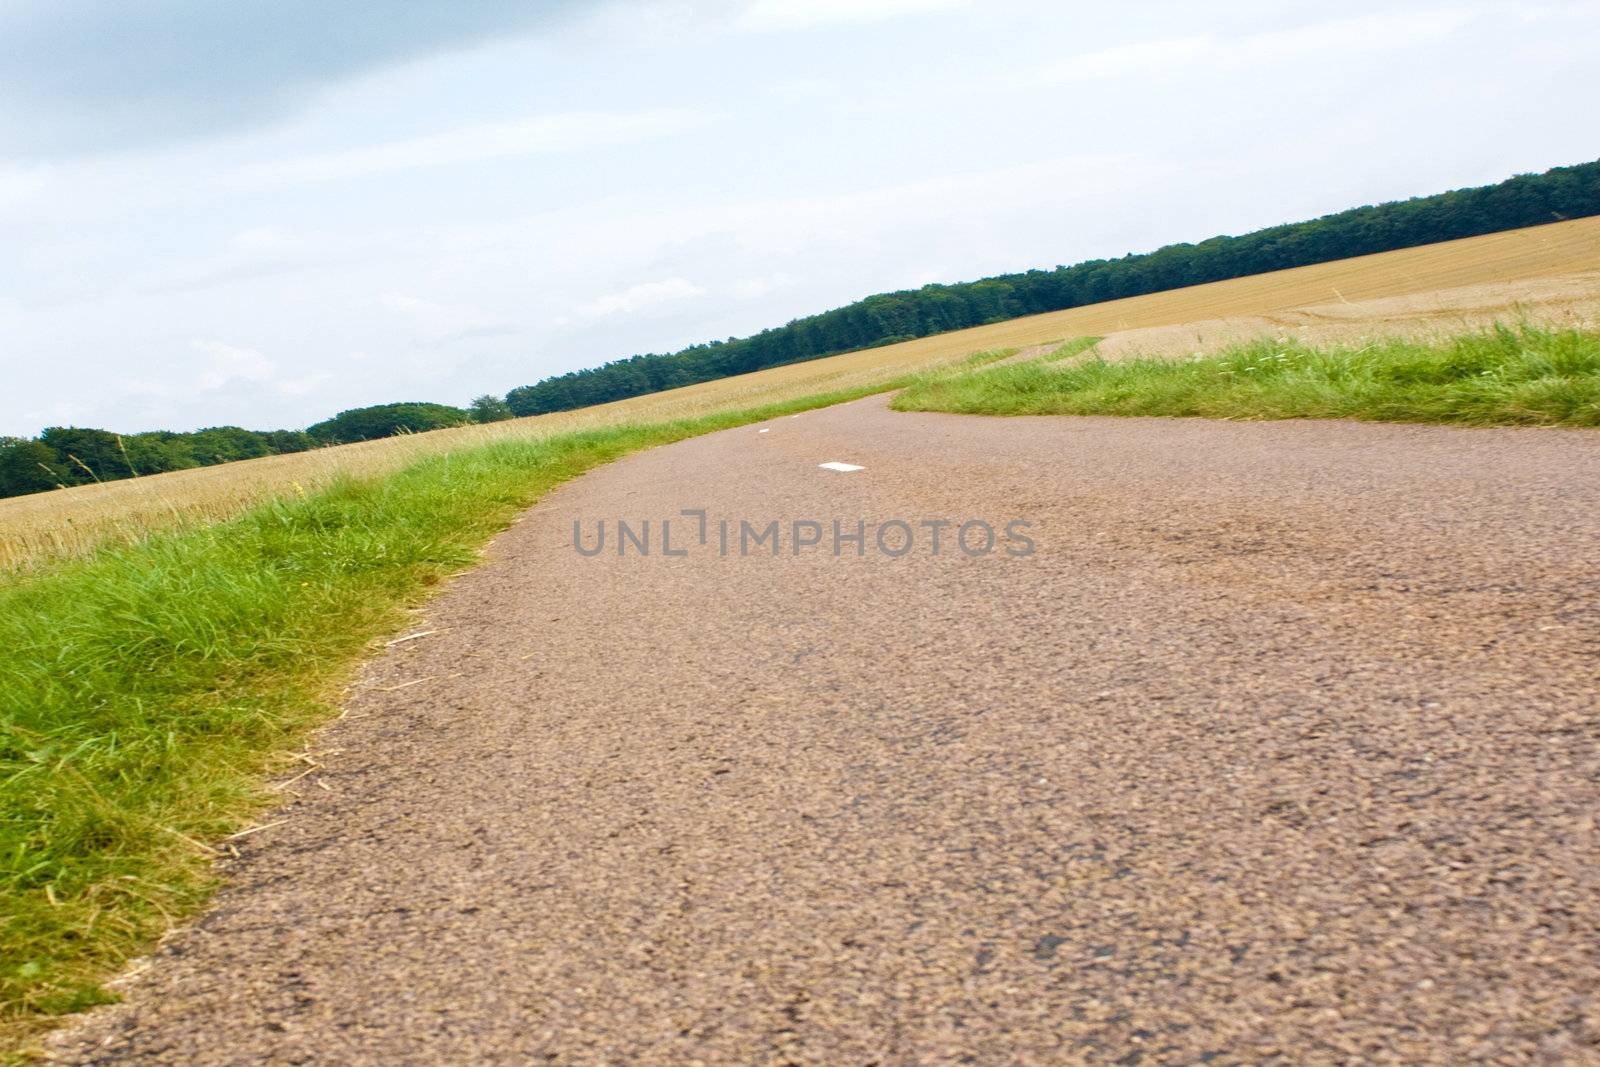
1505	375
147	692
1075	347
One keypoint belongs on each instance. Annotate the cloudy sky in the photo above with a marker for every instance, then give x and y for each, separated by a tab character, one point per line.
261	212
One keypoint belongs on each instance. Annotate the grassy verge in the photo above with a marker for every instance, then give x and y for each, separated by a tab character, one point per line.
1075	347
1521	375
148	692
983	359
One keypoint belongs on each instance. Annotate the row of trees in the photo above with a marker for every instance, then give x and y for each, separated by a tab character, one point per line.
386	420
63	456
1527	200
70	455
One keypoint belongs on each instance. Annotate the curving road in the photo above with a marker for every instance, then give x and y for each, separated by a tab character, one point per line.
1281	746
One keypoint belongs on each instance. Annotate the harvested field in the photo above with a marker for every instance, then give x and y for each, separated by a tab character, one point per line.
1564	300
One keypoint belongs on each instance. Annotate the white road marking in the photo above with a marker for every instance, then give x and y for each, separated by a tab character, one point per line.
763	431
412	637
837	466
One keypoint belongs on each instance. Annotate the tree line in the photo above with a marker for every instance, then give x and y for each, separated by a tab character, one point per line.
1526	200
65	456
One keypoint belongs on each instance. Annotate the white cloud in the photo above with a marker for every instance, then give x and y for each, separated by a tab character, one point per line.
231	364
303	386
1141	58
1370	33
866	221
252	253
784	226
20	185
445	322
751	288
1208	53
471	144
266	240
798	14
637	297
61	413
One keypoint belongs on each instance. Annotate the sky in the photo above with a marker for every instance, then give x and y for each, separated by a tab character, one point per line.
262	212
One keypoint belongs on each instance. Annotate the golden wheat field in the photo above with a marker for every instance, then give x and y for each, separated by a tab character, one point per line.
1543	271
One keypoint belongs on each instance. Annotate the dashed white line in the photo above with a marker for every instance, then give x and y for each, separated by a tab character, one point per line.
837	466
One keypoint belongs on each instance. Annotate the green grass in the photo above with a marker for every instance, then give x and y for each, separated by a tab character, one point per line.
983	359
1075	347
1503	376
148	693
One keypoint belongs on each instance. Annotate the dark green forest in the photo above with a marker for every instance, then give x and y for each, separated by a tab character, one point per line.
64	456
1526	200
385	420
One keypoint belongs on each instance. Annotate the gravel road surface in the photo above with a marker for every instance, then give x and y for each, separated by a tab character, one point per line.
1281	747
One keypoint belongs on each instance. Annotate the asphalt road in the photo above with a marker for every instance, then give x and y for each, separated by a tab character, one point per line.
1279	747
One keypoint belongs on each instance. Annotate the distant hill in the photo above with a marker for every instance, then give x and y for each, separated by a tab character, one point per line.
1526	200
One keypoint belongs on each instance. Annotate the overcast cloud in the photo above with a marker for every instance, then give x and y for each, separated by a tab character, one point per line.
262	212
